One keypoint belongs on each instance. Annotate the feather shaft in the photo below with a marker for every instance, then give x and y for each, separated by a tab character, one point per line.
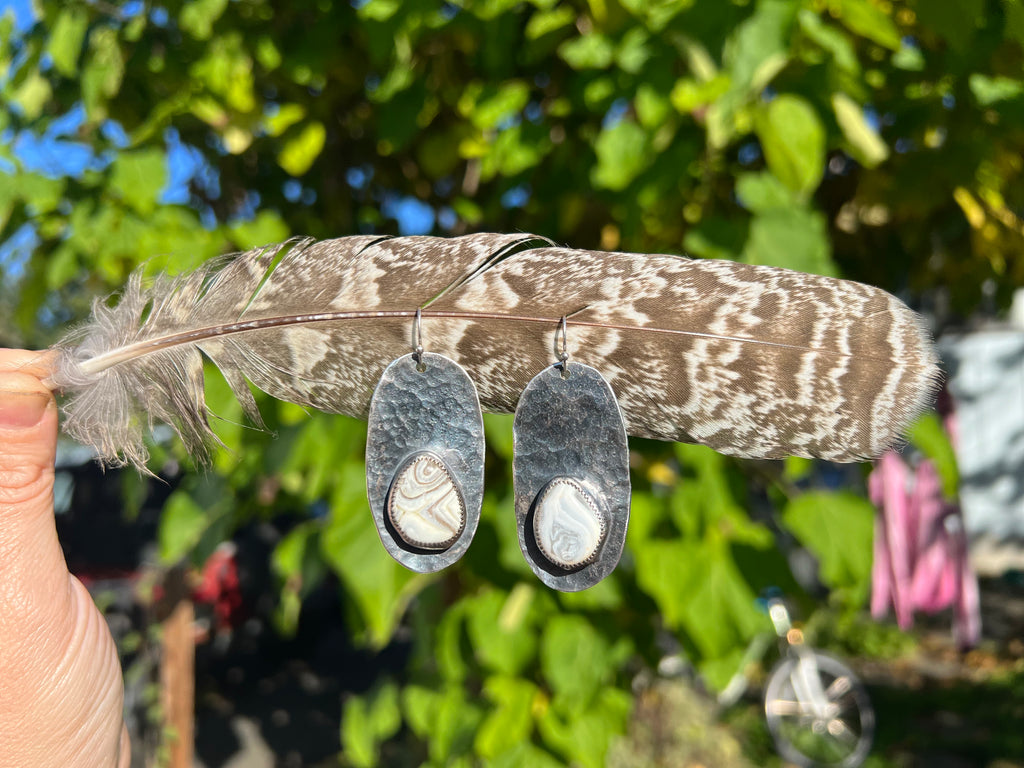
753	361
125	354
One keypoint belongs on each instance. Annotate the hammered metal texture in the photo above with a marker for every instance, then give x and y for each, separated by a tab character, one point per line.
435	410
571	427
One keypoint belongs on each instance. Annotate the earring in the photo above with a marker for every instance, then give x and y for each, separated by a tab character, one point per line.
570	473
425	459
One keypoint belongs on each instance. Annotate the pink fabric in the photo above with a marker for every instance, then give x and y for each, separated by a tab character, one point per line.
920	549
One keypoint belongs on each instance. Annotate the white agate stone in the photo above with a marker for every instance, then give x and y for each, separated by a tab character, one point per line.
425	506
567	525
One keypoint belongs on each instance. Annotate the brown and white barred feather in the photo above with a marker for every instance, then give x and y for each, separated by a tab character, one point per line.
752	361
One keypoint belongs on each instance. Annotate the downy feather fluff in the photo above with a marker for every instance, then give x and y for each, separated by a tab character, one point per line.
752	361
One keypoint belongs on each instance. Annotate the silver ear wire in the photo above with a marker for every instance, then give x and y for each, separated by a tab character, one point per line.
563	353
417	341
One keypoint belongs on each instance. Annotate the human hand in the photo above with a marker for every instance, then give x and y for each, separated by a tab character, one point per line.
61	690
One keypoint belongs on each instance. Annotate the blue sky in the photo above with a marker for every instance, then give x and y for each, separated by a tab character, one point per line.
22	11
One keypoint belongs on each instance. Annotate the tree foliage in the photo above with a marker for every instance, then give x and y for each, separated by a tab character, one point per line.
876	140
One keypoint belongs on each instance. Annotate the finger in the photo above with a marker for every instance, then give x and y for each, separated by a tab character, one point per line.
32	569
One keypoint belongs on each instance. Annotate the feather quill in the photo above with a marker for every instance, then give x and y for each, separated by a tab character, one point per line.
752	361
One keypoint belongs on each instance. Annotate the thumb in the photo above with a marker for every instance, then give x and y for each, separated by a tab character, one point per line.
59	672
30	554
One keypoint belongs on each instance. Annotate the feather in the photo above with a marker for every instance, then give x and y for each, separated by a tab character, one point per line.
752	361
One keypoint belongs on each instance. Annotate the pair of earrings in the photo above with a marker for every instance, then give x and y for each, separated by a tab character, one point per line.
570	469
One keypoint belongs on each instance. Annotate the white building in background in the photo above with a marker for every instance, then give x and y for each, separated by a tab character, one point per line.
985	372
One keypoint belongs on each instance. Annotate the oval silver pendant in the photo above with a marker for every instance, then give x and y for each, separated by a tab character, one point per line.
425	461
571	477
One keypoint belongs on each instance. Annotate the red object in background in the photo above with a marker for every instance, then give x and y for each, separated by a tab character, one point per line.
220	586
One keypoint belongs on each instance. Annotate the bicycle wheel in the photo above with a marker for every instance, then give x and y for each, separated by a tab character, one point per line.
818	712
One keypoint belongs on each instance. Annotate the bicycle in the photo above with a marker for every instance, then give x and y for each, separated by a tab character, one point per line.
818	711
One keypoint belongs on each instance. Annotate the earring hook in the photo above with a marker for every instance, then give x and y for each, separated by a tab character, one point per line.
417	342
563	353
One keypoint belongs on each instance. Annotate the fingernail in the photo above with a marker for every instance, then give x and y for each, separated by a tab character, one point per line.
21	410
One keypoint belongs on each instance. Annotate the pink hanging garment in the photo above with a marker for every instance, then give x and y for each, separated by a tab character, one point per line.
921	561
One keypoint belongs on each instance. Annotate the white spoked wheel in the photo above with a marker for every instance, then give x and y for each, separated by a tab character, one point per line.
818	712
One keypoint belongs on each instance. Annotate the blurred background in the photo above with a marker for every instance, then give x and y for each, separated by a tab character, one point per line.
874	140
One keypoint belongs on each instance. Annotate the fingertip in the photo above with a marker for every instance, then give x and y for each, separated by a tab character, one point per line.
21	410
26	405
28	440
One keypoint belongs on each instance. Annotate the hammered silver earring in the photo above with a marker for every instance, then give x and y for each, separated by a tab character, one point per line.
570	473
425	458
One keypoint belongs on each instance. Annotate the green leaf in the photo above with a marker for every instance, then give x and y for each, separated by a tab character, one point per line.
266	228
448	645
591	51
103	72
790	237
830	39
498	431
689	94
543	22
182	523
909	58
501	629
576	660
523	754
867	19
759	47
838	529
583	738
699	589
380	587
716	238
367	721
511	721
379	10
299	567
793	140
656	13
992	90
652	106
623	152
866	146
138	176
494	105
62	267
446	719
759	192
516	149
40	194
198	17
634	51
65	43
32	95
930	437
299	153
286	116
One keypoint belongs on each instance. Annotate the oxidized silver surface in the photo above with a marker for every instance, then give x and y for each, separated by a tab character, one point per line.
435	411
571	428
